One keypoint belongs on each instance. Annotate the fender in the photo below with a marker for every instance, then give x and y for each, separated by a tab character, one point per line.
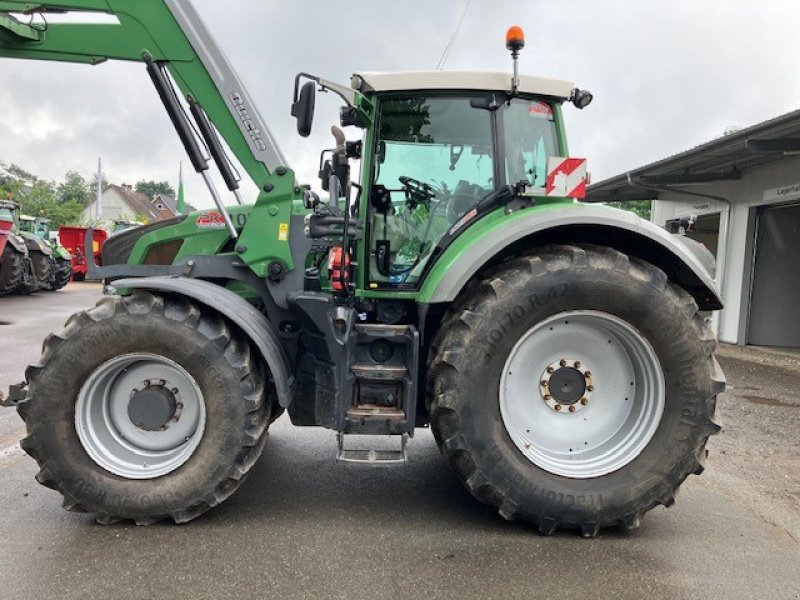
233	307
18	243
688	264
36	244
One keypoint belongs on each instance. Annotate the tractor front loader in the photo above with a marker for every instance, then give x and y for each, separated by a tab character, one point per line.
555	348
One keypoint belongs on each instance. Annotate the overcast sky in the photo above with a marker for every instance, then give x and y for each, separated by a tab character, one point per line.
665	75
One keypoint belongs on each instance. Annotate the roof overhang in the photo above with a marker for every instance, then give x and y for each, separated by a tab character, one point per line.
722	159
460	80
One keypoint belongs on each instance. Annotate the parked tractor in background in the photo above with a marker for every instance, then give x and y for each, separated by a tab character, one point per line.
74	241
16	271
52	263
556	349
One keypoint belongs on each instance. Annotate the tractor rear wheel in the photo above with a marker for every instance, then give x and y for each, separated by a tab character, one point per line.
12	270
146	407
62	271
574	388
40	276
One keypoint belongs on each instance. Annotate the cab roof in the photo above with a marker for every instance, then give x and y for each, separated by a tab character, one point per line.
459	80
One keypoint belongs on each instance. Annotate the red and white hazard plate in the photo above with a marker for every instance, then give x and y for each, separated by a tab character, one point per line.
566	177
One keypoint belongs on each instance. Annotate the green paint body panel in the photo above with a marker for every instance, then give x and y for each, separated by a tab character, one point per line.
491	222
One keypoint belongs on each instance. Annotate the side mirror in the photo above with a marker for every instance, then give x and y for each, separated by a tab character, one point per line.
303	108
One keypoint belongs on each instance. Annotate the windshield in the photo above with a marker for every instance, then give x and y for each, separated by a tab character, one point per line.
436	159
530	138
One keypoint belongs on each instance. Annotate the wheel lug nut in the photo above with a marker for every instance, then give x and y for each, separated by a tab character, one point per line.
587	374
571	408
589	388
584	401
550	370
562	362
577	364
548	397
558	407
174	390
544	382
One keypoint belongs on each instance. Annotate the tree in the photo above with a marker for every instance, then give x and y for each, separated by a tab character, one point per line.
74	187
38	197
639	207
152	188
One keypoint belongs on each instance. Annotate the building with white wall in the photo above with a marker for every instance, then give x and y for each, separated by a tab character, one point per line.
740	196
123	203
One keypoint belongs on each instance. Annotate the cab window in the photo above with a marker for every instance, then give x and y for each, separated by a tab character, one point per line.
529	139
435	158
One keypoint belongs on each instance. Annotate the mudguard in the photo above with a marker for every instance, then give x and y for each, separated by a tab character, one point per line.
688	264
35	243
233	307
18	243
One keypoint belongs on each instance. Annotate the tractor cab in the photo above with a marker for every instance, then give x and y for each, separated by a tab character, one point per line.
8	215
440	151
38	226
436	161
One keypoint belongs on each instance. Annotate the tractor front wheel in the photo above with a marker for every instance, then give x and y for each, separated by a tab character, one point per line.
574	388
146	407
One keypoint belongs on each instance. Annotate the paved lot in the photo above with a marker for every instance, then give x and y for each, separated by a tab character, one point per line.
303	526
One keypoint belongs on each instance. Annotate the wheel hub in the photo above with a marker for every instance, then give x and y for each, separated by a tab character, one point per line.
600	399
140	415
566	385
153	408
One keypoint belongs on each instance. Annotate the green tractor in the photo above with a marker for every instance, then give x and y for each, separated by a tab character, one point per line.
16	270
52	263
558	350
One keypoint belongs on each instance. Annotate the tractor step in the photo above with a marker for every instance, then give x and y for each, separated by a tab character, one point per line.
375	411
380	372
380	454
382	380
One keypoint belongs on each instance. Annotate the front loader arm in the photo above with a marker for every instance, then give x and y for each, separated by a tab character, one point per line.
169	31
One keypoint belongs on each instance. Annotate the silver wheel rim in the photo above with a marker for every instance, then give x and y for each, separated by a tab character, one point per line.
140	416
582	394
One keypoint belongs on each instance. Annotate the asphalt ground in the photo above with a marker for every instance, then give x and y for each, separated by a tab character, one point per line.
304	526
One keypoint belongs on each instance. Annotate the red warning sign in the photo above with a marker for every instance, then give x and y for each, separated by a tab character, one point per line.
566	177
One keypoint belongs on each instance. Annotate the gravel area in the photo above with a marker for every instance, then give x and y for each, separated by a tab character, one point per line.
757	455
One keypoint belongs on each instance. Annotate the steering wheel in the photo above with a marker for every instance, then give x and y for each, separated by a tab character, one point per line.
417	192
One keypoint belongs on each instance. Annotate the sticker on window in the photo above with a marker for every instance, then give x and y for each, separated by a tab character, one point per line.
541	110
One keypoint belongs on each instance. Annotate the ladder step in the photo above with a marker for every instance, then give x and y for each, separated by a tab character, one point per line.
380	372
372	456
374	411
380	330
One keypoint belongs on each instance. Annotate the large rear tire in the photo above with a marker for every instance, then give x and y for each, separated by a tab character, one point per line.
146	407
40	276
12	270
574	388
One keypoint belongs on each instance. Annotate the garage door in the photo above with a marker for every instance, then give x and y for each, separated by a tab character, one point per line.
775	296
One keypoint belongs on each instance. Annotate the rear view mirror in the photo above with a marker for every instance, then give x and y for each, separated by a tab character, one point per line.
303	108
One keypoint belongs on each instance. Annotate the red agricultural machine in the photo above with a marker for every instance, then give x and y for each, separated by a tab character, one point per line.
74	239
